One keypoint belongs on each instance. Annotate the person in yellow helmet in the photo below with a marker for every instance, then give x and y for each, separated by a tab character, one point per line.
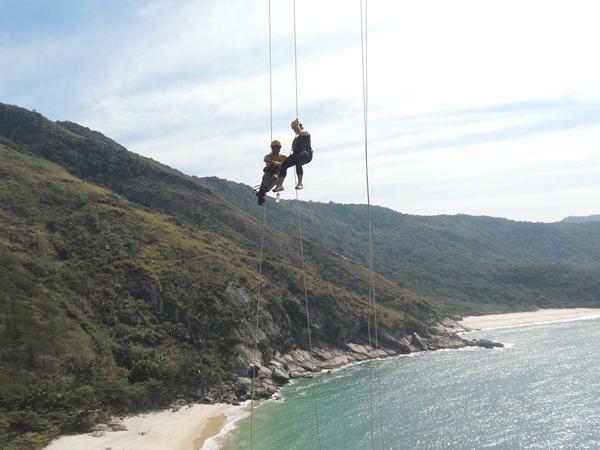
302	153
273	162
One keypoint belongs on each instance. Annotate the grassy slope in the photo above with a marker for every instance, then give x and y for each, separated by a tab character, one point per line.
113	275
79	268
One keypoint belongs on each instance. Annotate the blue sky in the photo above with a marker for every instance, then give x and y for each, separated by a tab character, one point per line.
480	108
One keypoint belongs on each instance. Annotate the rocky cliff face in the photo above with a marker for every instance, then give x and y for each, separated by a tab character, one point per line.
262	366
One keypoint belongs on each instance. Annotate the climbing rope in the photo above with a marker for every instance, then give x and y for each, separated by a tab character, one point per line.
270	74
262	246
372	302
312	362
301	249
295	61
254	360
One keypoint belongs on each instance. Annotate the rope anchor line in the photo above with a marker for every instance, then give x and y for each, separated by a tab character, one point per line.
372	301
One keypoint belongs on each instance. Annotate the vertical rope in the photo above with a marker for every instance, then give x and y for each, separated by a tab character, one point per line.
295	60
314	383
256	329
312	361
270	73
262	244
364	94
372	301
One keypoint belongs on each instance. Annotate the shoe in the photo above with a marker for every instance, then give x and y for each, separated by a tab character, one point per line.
278	188
299	186
260	201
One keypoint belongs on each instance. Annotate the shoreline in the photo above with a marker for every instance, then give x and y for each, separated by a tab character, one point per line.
525	318
186	429
192	426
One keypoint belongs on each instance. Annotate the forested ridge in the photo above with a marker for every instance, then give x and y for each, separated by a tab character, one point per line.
121	278
463	264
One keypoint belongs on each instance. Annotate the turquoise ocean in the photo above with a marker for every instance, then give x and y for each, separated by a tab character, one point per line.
542	391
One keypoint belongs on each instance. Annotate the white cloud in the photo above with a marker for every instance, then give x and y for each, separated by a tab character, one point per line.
474	107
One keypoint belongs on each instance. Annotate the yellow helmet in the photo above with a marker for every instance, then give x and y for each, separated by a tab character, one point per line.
275	143
295	123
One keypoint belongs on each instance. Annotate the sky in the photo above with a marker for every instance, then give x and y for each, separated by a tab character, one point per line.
472	107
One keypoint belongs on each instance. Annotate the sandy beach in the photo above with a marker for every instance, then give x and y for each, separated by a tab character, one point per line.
521	318
186	429
190	427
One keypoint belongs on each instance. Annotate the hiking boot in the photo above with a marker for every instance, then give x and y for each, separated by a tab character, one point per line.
261	200
278	188
299	186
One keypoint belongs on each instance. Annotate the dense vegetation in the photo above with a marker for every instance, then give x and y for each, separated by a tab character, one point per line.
124	283
116	275
463	264
102	306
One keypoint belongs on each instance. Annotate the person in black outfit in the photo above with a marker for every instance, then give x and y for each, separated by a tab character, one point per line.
302	153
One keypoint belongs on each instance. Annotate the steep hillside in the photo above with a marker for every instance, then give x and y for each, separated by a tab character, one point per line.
103	305
460	263
125	283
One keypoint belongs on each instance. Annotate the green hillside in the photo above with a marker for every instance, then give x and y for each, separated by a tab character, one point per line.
460	263
90	287
124	283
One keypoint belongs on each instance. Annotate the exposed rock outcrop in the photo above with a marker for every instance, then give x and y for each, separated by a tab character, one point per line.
262	370
262	380
114	424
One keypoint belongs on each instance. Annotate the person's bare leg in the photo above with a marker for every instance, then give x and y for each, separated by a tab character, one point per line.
300	185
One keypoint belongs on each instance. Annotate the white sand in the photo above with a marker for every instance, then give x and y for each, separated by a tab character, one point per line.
541	315
186	429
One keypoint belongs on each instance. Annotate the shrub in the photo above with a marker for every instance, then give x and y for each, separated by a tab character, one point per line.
24	421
